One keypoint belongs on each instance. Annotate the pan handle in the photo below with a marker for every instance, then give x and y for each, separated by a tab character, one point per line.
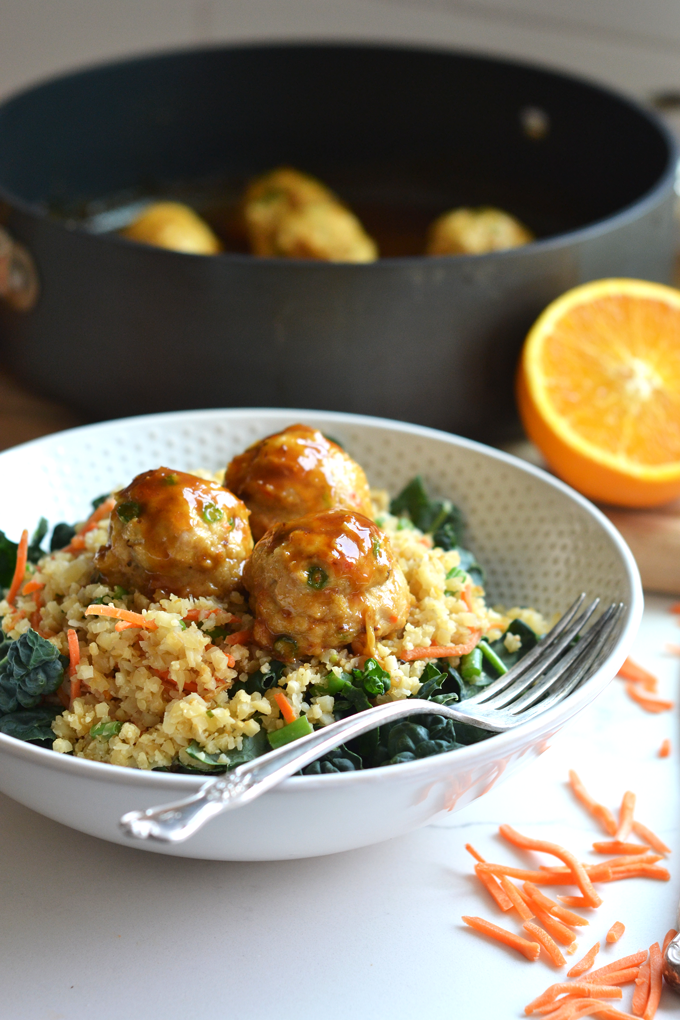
18	276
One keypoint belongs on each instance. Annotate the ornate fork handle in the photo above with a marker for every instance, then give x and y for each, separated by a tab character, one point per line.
173	823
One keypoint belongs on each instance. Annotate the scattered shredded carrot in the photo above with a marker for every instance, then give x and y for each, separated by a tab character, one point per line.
616	847
466	596
641	993
675	608
32	586
649	704
616	931
575	1008
601	813
77	543
622	862
442	651
287	710
547	876
634	960
586	963
636	674
529	949
655	981
619	977
558	930
125	615
574	901
640	871
193	616
475	853
494	888
518	901
567	916
626	816
581	879
571	988
672	649
670	935
239	637
650	837
550	946
20	568
665	749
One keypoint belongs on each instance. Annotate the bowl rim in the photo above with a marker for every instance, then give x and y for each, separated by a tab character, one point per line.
503	743
627	213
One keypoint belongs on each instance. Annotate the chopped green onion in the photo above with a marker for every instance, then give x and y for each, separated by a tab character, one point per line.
211	513
285	647
471	665
293	731
120	593
106	730
317	578
495	660
170	480
455	572
128	511
375	546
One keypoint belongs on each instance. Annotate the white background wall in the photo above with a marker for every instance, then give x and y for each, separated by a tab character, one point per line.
632	44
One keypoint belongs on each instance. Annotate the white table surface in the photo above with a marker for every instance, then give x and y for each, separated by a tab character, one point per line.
90	929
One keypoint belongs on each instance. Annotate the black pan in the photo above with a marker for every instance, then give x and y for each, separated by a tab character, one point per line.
403	135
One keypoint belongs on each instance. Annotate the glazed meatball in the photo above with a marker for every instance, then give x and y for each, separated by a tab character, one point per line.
296	472
288	214
175	226
324	581
177	533
476	231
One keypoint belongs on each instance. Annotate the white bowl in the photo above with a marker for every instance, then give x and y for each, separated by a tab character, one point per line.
539	541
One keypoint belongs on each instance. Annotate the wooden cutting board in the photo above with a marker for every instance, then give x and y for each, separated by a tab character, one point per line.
653	535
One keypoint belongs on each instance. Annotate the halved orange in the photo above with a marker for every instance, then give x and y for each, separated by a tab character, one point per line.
598	389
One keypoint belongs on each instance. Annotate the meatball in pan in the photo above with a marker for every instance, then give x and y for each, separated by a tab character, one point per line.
324	581
294	473
176	533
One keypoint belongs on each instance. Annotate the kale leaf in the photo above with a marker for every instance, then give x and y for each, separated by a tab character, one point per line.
61	536
251	747
31	667
31	724
259	682
438	517
34	551
340	759
8	559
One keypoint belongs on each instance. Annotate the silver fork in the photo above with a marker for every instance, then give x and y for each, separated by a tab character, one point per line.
539	681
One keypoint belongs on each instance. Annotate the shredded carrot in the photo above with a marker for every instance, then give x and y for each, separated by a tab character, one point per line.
581	879
466	596
640	871
672	649
494	888
586	963
622	862
567	916
575	1008
77	543
616	931
240	637
650	837
529	949
636	674
32	586
518	901
626	816
670	935
675	608
641	993
548	876
73	651
442	651
634	960
125	615
619	977
655	981
574	901
601	813
665	749
558	930
571	988
475	853
287	710
649	704
193	616
20	568
616	847
550	946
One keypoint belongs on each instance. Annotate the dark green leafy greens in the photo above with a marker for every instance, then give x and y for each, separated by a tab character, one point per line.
30	668
438	517
252	747
8	552
31	724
